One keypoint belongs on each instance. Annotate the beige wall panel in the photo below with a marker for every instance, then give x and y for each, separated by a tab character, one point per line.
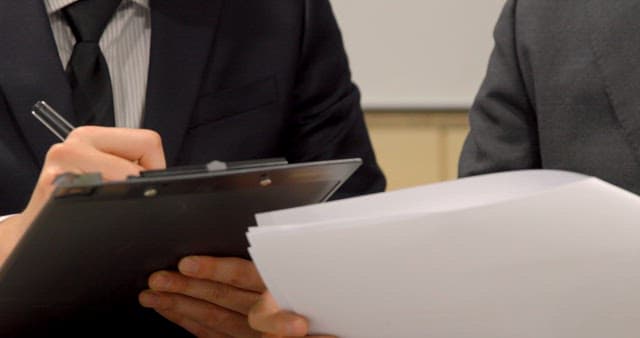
416	148
454	139
408	156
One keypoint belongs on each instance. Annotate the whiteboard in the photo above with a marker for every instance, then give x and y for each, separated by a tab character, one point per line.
418	54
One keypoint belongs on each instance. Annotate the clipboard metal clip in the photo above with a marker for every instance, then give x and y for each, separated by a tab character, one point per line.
212	166
69	184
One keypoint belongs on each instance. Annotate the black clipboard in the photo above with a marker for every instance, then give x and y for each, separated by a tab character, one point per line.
88	254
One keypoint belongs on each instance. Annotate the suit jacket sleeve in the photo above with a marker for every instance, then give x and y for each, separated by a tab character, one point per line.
503	132
328	122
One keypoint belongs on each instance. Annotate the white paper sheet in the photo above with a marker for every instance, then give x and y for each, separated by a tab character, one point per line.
541	254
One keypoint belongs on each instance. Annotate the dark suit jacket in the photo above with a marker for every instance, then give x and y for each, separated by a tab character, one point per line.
562	92
228	80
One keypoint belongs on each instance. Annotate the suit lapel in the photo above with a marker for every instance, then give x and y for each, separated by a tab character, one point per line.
182	35
31	70
616	43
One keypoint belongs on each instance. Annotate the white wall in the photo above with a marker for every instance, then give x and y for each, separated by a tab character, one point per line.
428	54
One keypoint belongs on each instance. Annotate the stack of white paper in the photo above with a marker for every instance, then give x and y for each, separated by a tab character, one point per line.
535	254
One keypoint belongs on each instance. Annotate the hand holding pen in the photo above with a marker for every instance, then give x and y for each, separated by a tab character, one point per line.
110	151
115	152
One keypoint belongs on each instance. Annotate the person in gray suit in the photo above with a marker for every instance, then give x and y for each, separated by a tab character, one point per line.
562	91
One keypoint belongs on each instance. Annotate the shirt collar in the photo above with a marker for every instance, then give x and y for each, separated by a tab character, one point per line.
54	6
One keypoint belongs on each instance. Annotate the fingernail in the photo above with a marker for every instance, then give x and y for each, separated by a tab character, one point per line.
148	299
189	266
296	327
160	282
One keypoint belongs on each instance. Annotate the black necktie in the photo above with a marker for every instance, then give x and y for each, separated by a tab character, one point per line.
87	69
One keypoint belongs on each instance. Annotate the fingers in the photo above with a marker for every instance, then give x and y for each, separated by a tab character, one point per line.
237	272
191	326
227	296
265	316
196	315
211	293
77	157
269	335
114	152
143	146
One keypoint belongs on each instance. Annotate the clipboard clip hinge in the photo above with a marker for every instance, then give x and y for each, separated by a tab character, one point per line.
70	184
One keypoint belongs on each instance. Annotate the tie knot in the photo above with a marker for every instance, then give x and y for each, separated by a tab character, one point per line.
89	18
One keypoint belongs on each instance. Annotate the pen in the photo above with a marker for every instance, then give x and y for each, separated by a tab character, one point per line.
52	120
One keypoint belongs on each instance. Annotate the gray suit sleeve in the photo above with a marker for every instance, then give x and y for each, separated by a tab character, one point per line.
503	132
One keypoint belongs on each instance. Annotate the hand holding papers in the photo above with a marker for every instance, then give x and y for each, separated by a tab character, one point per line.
90	250
523	254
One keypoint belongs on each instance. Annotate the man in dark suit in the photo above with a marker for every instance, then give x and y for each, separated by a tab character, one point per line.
562	91
227	80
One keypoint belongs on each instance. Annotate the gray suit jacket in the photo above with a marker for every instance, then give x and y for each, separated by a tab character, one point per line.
562	91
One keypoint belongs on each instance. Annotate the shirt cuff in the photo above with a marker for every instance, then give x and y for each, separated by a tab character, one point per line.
2	218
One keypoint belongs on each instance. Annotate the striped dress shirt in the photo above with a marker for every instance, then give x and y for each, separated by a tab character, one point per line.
125	44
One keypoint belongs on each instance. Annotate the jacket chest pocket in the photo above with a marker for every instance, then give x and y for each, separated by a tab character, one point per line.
234	101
